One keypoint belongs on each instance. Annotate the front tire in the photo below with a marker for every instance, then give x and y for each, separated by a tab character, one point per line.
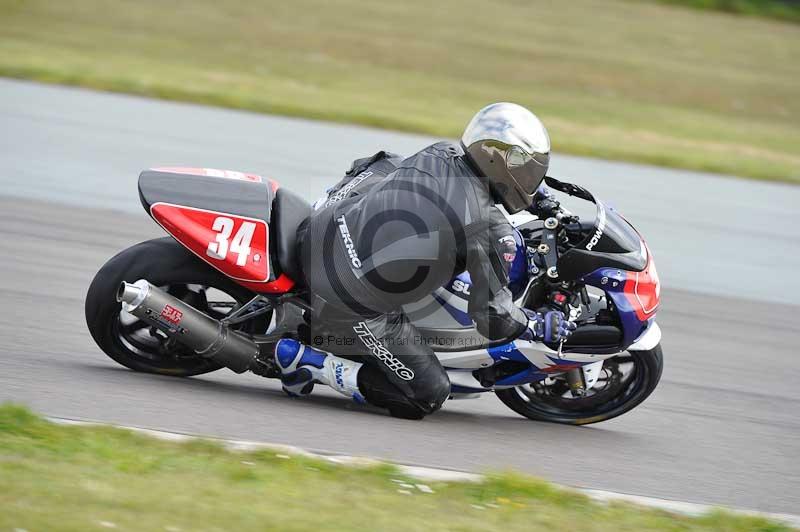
165	263
619	394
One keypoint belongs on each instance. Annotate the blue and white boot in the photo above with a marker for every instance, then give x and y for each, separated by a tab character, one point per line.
303	366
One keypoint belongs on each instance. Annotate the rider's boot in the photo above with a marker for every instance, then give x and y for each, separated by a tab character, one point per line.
303	366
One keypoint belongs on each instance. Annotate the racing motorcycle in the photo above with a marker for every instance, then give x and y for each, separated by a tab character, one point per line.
222	289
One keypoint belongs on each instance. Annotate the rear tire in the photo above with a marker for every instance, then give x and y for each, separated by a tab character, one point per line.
163	262
648	366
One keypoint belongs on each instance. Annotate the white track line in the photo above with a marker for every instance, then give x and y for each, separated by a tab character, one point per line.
432	474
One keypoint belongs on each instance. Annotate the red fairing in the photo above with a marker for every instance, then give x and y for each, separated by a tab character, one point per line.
281	285
235	245
643	290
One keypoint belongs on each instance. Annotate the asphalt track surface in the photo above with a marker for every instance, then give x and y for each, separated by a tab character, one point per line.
722	428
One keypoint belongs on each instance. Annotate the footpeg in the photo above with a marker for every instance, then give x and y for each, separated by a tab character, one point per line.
264	364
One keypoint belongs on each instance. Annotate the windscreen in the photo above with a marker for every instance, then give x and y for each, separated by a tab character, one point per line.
612	233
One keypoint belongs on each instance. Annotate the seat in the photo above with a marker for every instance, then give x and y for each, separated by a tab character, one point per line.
288	212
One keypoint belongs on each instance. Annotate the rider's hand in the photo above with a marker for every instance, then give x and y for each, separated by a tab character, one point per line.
550	327
544	204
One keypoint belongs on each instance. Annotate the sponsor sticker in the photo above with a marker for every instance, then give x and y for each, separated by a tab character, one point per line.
381	353
510	251
348	243
345	190
601	227
172	315
461	287
338	372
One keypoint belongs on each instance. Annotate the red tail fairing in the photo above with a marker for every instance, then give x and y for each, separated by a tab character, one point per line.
221	216
235	245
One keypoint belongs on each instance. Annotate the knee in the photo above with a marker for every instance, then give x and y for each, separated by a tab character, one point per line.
430	393
438	391
424	395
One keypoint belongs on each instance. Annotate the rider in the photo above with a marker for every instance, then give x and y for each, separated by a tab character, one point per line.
378	243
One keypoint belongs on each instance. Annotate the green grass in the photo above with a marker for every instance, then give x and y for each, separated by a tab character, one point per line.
778	9
95	478
637	81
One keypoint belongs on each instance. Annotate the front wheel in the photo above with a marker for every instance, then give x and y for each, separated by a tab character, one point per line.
627	380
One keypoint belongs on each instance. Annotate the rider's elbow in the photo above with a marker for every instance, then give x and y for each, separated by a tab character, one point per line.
497	328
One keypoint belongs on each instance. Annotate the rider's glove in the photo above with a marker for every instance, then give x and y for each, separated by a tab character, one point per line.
550	327
544	203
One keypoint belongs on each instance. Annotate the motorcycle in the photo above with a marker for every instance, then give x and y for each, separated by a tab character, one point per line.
222	289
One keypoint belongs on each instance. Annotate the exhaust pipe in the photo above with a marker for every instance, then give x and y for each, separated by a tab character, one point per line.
206	336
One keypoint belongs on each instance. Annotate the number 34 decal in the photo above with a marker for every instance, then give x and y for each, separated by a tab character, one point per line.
235	245
222	244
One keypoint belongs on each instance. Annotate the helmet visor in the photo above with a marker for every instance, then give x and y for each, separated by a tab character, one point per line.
527	169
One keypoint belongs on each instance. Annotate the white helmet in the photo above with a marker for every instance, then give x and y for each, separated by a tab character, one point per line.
511	148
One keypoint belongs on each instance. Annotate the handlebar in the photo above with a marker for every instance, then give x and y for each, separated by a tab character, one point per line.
546	206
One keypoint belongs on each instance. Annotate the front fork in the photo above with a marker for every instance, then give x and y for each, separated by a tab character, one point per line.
582	379
576	382
576	377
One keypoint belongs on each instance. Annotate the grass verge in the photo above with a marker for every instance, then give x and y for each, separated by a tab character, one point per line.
636	81
96	478
778	9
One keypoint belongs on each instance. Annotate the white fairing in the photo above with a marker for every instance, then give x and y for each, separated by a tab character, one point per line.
648	340
463	380
537	354
474	359
591	372
542	356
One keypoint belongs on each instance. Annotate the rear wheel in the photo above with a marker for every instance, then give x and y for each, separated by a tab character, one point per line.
165	263
626	381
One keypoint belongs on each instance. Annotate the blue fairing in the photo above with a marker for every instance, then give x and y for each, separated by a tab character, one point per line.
612	281
517	275
509	352
506	352
459	315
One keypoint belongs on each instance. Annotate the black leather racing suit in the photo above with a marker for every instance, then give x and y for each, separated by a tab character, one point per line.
391	241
